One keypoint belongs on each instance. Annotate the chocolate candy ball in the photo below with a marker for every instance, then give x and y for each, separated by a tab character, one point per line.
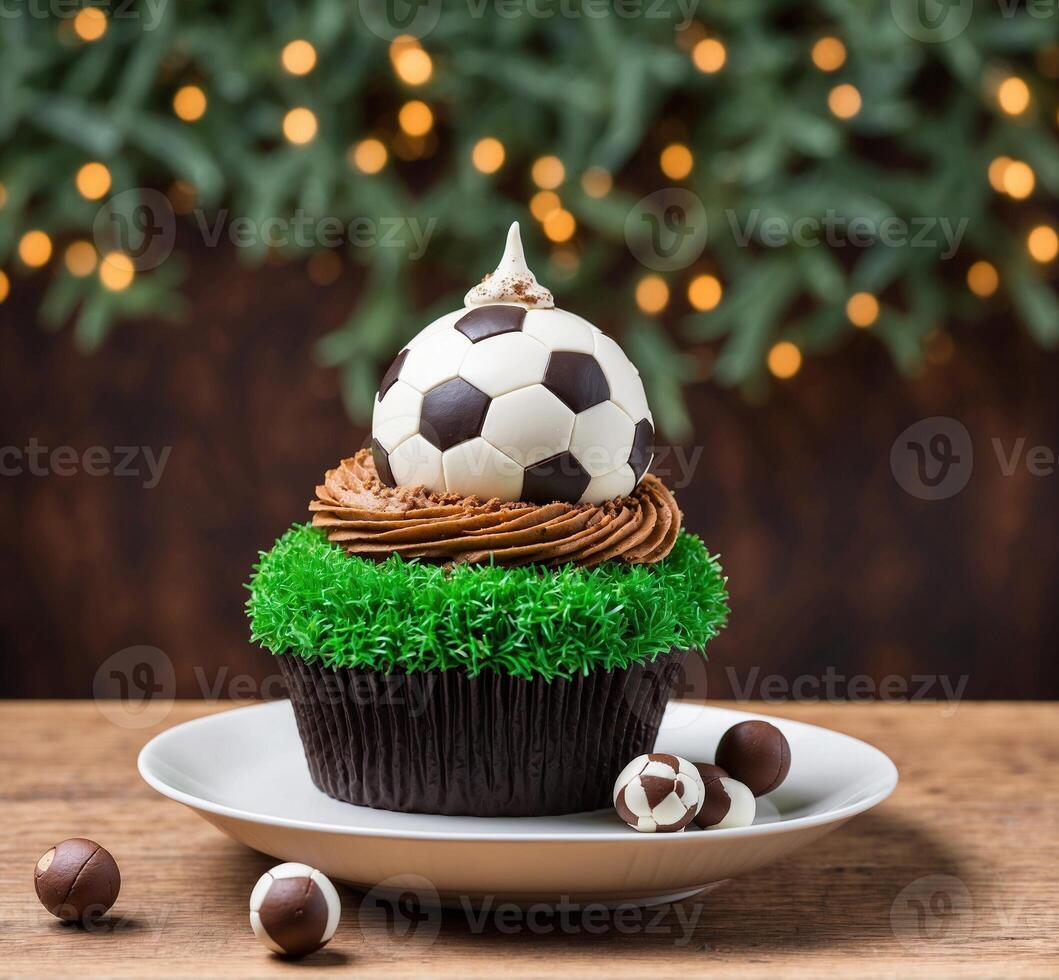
728	803
77	880
658	793
294	909
757	754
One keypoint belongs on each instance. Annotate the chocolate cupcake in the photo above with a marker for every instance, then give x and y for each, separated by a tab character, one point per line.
491	605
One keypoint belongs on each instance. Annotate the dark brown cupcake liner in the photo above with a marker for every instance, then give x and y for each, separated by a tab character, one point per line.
489	746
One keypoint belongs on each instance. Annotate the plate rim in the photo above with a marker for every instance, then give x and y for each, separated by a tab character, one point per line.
890	778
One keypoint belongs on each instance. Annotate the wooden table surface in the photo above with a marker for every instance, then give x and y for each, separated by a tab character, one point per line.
956	875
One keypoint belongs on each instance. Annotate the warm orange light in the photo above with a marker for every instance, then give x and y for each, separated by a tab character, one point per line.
982	279
3	195
652	294
1019	179
676	161
784	359
368	156
548	172
844	101
90	24
93	181
829	54
183	196
1013	96
415	118
862	309
488	155
5	286
80	258
189	103
300	125
704	292
34	249
116	271
1043	243
709	55
597	182
411	63
544	203
298	57
559	226
997	168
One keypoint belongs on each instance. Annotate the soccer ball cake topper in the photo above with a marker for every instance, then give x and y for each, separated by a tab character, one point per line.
512	398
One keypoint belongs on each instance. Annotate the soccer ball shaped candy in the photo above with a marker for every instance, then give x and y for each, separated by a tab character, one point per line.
658	793
514	399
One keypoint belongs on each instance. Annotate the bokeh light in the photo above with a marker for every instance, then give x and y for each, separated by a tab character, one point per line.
982	279
411	63
80	258
676	161
34	248
415	118
548	172
5	286
704	292
116	271
544	203
90	24
559	225
652	294
1013	95
93	181
300	126
324	267
784	359
1043	243
597	182
368	156
298	57
829	54
488	155
189	103
997	168
1019	179
709	55
862	309
844	101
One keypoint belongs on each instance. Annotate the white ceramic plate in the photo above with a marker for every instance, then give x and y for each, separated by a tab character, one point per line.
243	771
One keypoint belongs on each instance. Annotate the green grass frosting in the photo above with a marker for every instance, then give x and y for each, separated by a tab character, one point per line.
309	598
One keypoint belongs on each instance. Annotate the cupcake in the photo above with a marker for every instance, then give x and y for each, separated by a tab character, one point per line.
490	606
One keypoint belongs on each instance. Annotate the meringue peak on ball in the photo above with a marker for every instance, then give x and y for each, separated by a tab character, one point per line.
512	282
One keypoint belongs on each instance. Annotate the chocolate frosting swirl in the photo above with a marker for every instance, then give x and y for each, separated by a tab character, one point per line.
372	520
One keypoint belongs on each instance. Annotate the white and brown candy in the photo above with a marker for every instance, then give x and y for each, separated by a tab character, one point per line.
77	880
658	793
294	909
726	801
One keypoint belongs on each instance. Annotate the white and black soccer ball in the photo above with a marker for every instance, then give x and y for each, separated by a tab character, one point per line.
658	793
519	404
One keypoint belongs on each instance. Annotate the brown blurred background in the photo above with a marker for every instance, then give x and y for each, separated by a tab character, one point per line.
831	564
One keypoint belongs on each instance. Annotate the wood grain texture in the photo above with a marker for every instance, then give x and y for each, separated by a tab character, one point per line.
978	803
